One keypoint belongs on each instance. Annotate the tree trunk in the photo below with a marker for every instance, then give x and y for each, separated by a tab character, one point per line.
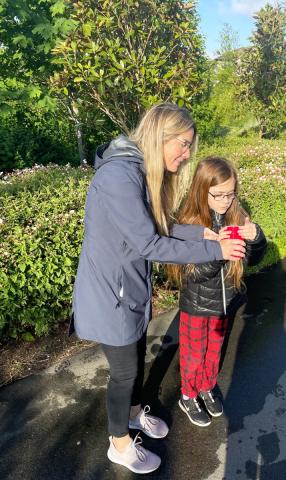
263	129
78	130
80	143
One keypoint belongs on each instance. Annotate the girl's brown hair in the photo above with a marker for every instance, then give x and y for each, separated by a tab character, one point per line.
209	172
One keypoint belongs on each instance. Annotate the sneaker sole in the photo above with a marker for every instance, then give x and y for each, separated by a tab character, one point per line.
132	469
191	420
147	433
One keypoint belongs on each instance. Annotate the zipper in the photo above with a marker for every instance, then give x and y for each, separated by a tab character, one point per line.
223	290
218	218
218	221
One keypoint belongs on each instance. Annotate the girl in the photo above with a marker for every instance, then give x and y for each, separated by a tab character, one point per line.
211	291
138	186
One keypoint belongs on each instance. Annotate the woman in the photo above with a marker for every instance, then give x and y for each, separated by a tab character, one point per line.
139	184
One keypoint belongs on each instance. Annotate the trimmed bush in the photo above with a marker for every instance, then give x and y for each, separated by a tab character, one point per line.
41	231
29	137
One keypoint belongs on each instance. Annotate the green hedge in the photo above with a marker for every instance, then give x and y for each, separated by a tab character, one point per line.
40	237
41	227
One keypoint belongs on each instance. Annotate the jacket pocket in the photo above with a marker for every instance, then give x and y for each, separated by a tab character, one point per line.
133	288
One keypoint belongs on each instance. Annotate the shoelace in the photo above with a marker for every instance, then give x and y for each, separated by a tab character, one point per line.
197	405
141	455
148	421
211	396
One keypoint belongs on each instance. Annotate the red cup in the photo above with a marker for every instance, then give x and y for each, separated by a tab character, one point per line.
233	229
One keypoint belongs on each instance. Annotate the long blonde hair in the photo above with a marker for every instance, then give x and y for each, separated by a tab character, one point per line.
161	123
209	172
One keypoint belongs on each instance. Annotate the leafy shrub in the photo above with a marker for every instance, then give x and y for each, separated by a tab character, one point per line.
40	237
207	122
27	138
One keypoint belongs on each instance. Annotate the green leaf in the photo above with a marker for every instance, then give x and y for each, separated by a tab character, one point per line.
35	91
22	267
128	83
86	29
58	7
28	337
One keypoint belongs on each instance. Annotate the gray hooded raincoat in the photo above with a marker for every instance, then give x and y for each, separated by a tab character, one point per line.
112	291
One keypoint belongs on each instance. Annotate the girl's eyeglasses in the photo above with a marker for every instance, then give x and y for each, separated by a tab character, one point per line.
219	197
185	144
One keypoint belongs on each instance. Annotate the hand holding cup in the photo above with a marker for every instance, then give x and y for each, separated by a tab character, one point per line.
232	243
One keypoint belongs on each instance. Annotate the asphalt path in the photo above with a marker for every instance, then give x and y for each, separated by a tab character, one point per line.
53	424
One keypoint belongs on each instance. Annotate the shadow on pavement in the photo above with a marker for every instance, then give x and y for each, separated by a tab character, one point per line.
54	426
255	401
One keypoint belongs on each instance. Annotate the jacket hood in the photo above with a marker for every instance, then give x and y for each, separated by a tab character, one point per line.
121	146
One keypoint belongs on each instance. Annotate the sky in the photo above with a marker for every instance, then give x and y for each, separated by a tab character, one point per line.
214	14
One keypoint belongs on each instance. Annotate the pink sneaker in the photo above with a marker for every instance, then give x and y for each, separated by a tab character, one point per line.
135	457
154	427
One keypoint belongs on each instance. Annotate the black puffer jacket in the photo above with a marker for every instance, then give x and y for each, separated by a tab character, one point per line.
207	290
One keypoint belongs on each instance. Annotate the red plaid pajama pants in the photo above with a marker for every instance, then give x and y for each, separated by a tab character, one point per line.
201	339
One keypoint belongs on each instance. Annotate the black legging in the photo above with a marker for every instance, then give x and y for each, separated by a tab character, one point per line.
125	383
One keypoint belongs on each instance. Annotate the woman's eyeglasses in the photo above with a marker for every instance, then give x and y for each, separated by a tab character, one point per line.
185	144
219	197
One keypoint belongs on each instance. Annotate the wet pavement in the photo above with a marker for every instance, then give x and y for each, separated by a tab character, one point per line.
53	424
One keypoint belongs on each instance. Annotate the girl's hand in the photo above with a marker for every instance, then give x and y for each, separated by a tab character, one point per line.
248	231
209	234
223	234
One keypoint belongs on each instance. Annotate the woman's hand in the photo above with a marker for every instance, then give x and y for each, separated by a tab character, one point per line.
248	230
209	234
232	249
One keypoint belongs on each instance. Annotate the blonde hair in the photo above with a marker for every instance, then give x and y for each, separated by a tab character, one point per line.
159	124
209	172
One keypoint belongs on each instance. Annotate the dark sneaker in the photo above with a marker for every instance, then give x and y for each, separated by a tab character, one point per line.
212	403
195	413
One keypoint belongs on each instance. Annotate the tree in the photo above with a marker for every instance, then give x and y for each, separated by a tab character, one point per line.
126	55
222	78
262	71
228	43
29	29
